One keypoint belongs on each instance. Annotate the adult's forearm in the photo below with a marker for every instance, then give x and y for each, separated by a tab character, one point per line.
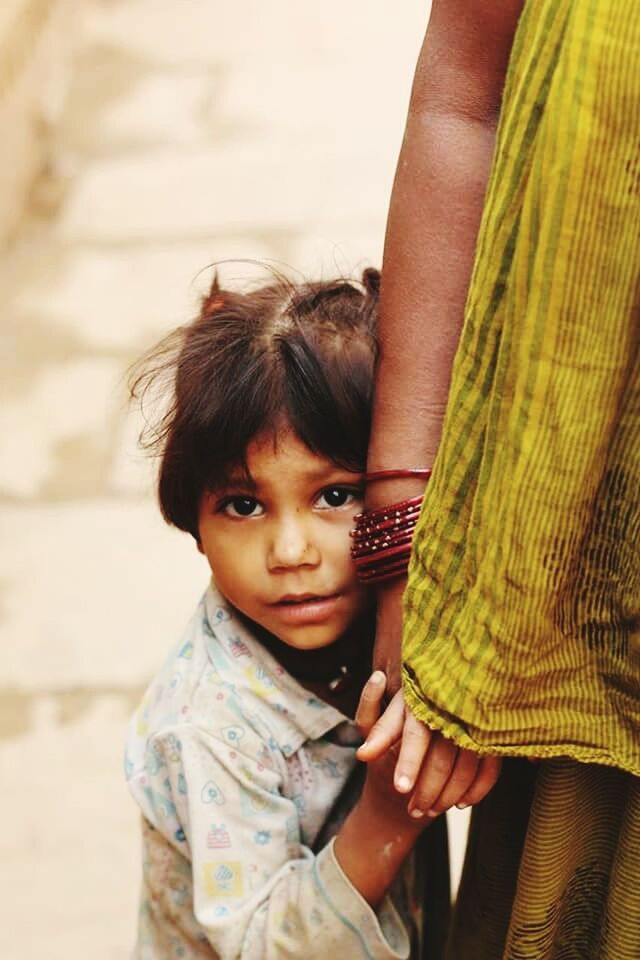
432	228
434	216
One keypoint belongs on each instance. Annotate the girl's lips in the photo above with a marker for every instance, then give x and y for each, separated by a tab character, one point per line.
306	610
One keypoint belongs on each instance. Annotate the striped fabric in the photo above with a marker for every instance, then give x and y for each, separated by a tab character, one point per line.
552	867
523	603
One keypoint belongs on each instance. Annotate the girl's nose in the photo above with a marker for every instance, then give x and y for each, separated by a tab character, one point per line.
291	545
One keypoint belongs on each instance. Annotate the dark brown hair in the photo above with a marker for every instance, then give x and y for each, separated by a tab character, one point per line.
299	353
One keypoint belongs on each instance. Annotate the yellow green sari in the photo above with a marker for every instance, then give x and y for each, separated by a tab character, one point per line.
522	629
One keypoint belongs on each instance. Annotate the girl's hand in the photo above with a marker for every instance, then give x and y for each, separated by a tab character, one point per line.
378	834
379	787
438	774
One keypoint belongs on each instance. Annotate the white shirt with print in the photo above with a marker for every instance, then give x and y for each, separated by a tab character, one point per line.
236	767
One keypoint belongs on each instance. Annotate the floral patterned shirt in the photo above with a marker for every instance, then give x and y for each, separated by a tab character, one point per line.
237	770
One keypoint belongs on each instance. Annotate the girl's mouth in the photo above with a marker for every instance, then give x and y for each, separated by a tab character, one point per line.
305	608
299	598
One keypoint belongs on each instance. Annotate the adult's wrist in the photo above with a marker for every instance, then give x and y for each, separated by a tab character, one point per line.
383	492
378	495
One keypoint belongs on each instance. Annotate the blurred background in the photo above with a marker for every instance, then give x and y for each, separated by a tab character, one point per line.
141	140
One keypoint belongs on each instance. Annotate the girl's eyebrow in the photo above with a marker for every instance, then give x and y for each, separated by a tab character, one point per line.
235	479
329	473
323	473
238	480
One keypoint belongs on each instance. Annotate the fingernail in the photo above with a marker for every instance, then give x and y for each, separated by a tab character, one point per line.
416	813
377	677
403	783
462	806
433	813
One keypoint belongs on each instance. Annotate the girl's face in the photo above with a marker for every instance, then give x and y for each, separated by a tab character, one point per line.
279	550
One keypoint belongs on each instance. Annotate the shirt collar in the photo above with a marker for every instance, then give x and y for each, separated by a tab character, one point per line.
296	715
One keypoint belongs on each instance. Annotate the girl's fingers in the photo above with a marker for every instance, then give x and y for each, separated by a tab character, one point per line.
486	776
435	773
370	702
460	780
415	743
385	732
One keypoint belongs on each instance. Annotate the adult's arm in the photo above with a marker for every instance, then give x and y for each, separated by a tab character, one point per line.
433	221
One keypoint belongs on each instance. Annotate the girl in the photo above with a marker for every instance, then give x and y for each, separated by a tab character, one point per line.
242	754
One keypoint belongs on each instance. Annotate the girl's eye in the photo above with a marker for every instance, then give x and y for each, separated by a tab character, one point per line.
242	507
332	497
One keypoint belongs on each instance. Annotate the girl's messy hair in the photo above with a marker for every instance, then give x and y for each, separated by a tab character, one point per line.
302	354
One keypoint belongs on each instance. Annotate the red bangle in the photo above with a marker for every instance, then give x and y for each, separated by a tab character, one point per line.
391	549
391	512
423	472
379	544
366	528
387	572
382	538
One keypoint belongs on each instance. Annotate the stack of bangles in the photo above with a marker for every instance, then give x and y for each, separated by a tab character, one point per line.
382	538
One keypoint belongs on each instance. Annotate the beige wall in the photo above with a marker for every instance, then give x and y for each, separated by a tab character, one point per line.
35	56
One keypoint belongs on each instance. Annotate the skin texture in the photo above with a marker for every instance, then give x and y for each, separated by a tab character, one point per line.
432	226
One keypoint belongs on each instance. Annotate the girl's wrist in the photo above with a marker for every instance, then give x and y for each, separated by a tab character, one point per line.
366	831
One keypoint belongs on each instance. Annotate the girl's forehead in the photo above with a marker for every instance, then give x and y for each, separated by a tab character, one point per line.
280	457
274	440
282	449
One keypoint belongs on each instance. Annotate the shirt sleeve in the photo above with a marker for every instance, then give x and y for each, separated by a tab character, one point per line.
258	892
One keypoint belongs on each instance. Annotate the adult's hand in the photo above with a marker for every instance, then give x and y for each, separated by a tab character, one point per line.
429	767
